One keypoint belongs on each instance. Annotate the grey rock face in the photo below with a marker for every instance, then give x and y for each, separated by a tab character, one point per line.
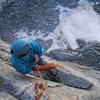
81	42
59	76
6	96
69	79
38	15
62	55
88	54
45	44
22	86
97	8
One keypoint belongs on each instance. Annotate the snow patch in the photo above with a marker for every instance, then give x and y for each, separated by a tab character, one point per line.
82	22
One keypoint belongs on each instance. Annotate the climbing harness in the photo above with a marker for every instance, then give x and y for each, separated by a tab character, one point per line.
40	87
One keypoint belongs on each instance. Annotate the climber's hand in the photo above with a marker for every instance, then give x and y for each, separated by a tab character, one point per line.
36	58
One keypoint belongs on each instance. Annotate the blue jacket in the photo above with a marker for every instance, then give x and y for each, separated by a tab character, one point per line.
25	64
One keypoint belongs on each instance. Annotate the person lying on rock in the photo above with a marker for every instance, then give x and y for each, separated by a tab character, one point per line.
25	54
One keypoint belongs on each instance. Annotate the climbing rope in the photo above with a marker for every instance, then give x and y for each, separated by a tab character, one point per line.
45	67
38	89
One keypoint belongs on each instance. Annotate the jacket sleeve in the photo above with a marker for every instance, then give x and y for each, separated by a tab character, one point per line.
37	48
22	68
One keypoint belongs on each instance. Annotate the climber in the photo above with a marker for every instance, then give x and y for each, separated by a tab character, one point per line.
25	54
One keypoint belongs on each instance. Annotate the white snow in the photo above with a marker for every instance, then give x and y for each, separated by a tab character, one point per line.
82	22
82	2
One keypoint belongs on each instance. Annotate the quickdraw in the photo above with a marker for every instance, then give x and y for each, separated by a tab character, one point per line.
38	90
40	87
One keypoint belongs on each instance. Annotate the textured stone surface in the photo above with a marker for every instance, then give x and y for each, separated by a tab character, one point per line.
28	14
45	44
88	54
22	86
5	96
57	75
15	83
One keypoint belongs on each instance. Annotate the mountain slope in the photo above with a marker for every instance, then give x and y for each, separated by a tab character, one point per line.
22	86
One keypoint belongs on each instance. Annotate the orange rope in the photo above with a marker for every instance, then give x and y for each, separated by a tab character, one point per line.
39	92
45	87
38	69
45	67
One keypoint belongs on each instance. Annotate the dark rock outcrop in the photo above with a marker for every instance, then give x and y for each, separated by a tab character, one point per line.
45	44
69	79
97	8
88	54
